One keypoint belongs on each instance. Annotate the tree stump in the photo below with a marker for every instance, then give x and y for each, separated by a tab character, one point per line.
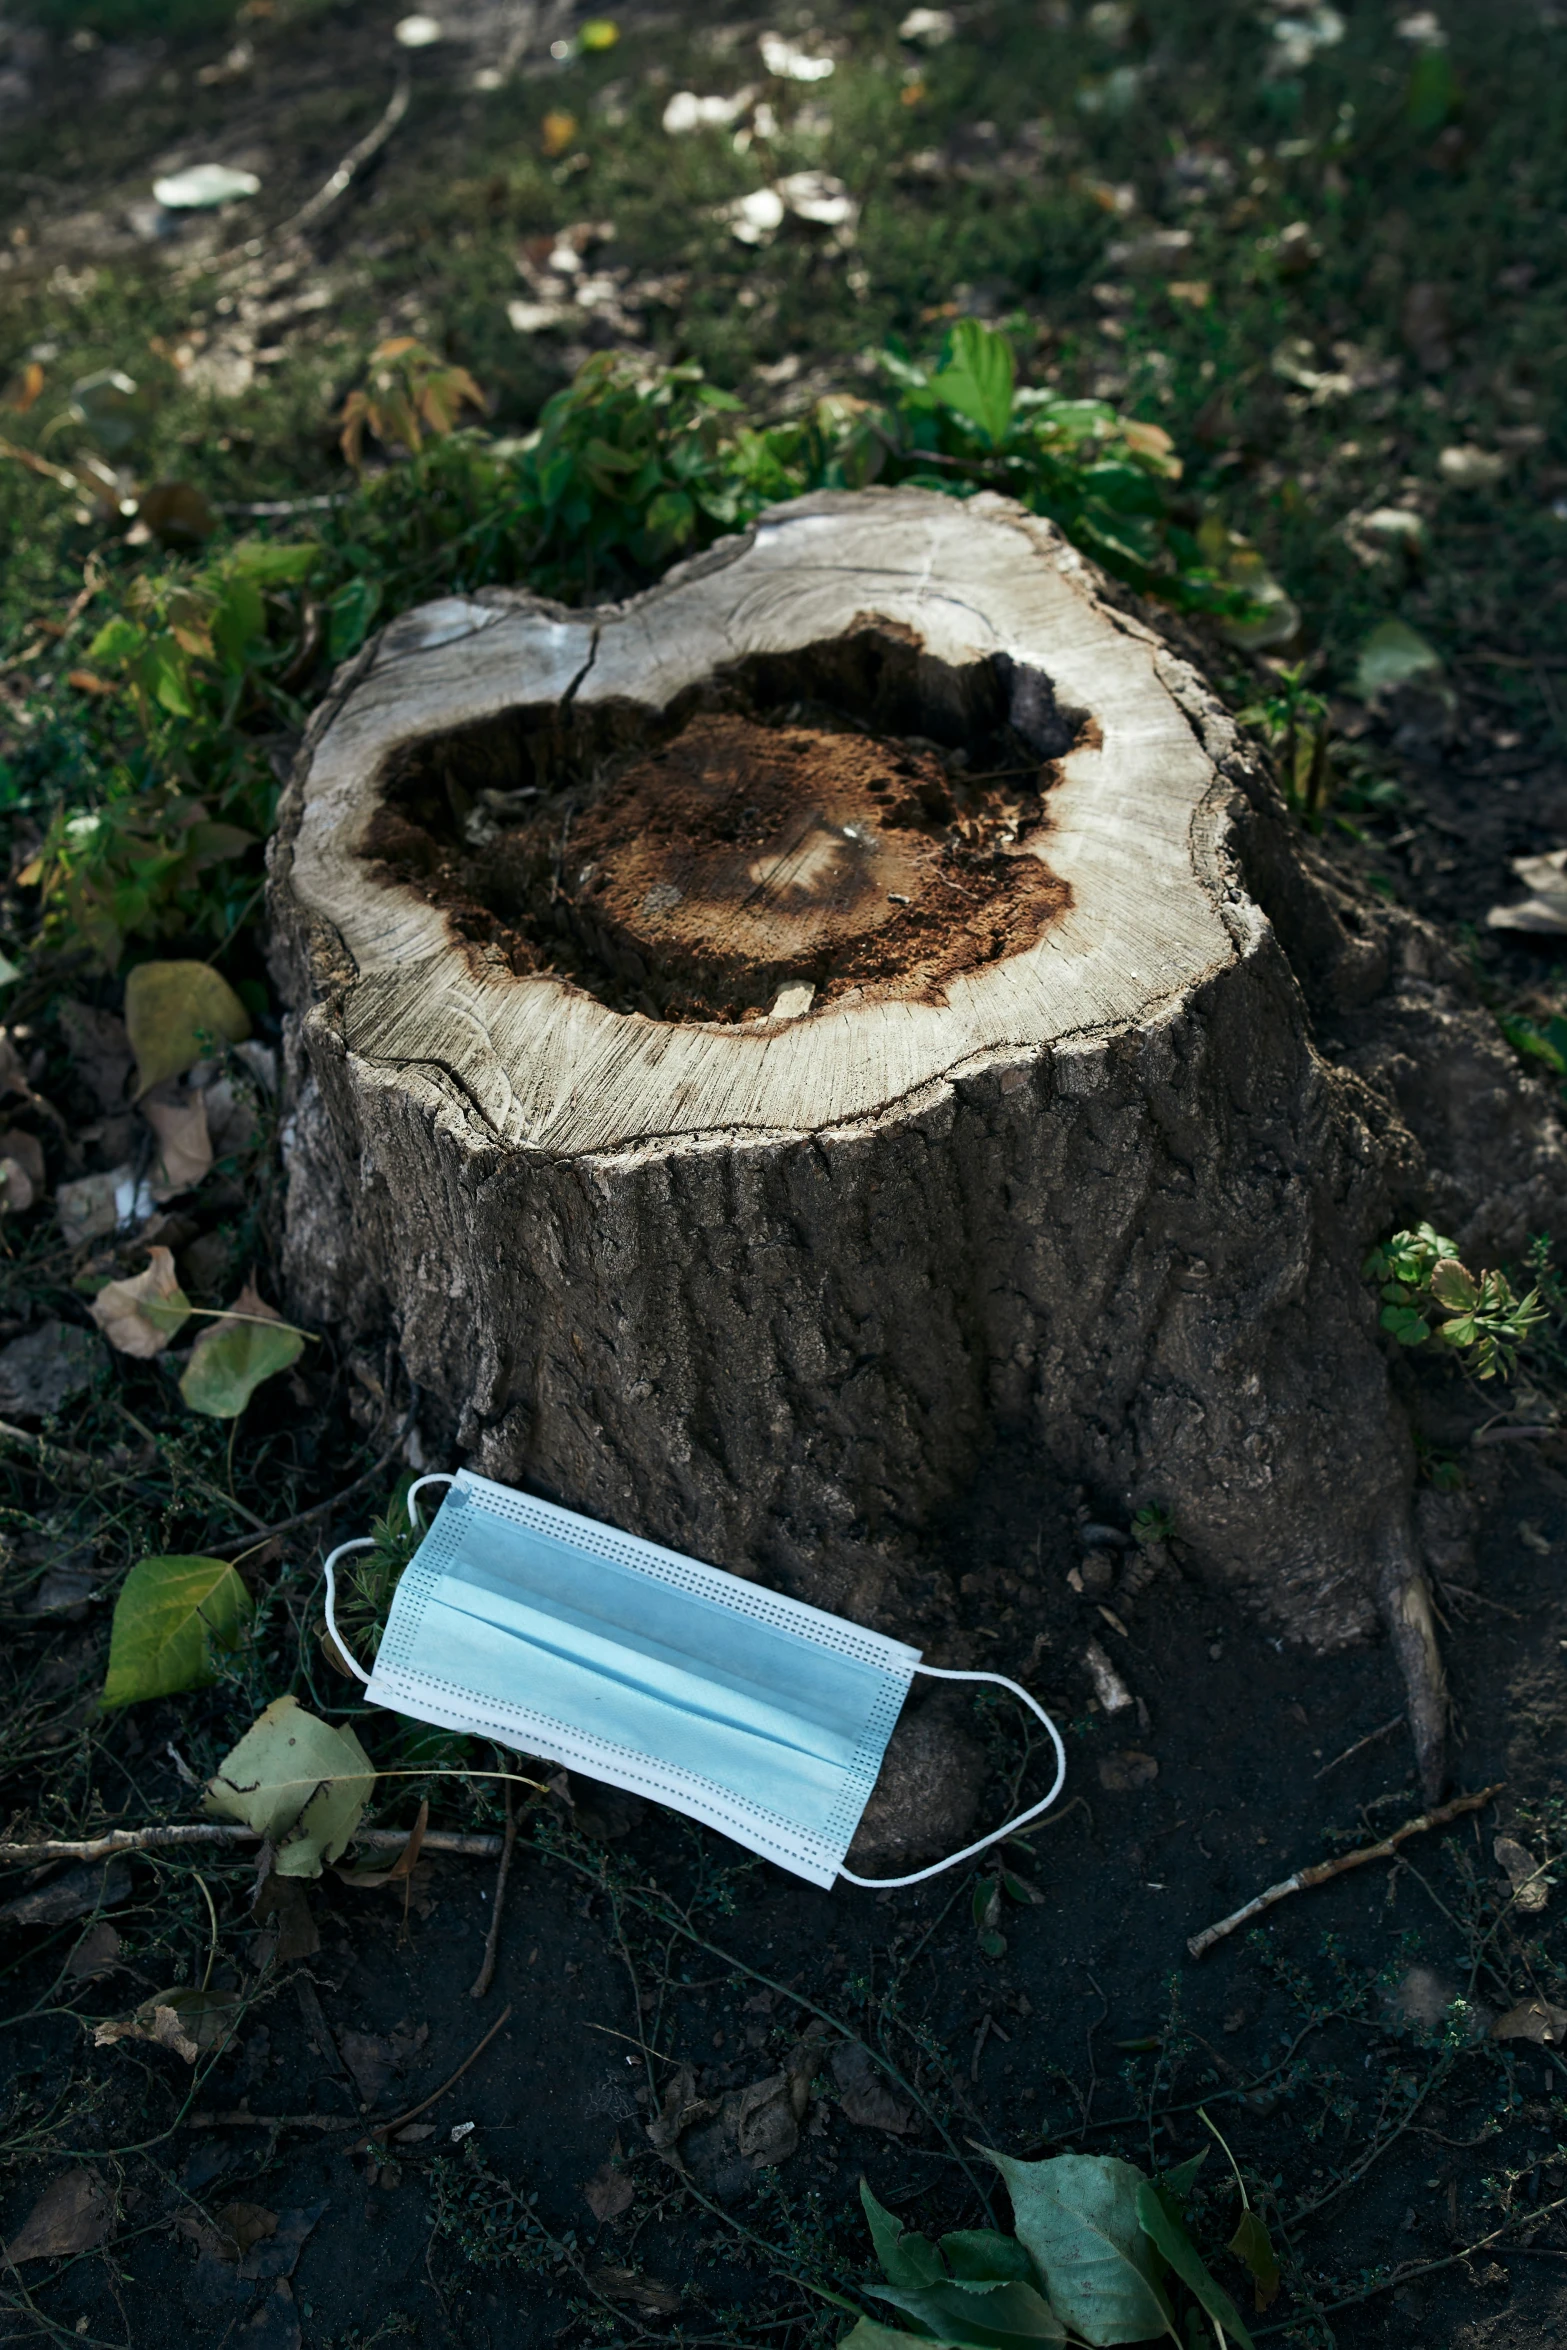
758	1043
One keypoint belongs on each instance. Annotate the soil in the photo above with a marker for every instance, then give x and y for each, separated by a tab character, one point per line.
528	2203
697	878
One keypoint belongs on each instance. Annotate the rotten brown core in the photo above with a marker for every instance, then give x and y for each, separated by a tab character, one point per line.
699	876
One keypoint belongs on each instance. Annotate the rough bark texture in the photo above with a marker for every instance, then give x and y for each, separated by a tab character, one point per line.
767	1292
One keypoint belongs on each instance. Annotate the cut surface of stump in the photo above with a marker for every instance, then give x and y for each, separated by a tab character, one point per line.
760	1043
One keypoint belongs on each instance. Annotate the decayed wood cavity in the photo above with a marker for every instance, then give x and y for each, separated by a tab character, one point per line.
892	615
697	863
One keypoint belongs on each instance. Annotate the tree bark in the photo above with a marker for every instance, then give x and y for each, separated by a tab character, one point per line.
743	1185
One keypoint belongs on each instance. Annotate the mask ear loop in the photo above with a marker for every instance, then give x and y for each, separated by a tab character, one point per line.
435	1477
362	1542
367	1542
997	1835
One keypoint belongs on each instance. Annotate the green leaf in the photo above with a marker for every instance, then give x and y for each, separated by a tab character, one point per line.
868	2335
1164	2227
1408	1327
1454	1286
977	2317
301	1783
1433	90
273	566
118	642
177	1014
906	2258
981	2256
1253	2248
1393	654
170	1617
231	1358
977	377
350	615
1077	2215
1180	2181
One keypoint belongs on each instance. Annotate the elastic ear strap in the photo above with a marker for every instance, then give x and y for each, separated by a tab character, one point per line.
997	1835
435	1477
362	1542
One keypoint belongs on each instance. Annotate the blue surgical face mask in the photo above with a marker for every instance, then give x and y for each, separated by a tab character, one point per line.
559	1637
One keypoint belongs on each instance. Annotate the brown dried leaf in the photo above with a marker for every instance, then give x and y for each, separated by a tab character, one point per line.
244	2224
863	2094
101	1049
1523	1872
1533	2019
624	2284
179	1120
406	1861
119	1308
762	2121
95	1954
1120	1773
74	2214
609	2192
681	2110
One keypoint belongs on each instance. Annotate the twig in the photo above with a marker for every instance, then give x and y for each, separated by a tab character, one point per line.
1369	1739
1407	2271
1324	1869
1514	1432
321	1509
357	156
201	1832
380	2129
486	1974
42	1446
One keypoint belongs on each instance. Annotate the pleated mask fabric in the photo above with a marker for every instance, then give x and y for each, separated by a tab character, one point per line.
559	1637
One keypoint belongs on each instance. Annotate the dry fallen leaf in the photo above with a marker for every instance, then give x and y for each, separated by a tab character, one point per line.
624	2284
95	1954
1119	1774
74	2214
21	1171
1109	1687
864	2095
186	2022
609	2192
1523	1872
92	1206
1545	908
120	1309
243	2224
1533	2019
179	1120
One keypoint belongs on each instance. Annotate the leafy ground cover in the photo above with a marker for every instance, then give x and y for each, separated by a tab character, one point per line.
1266	308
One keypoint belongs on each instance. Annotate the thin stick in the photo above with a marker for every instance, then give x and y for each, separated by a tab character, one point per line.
1324	1869
398	2120
1369	1739
354	160
486	1974
321	1509
160	1839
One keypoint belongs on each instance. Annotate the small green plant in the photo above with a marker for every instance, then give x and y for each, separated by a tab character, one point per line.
412	392
1152	1524
1428	1294
1101	2254
1293	721
1538	1040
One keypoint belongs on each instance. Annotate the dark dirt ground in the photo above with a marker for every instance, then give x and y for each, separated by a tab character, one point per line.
1321	2042
1409	2163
